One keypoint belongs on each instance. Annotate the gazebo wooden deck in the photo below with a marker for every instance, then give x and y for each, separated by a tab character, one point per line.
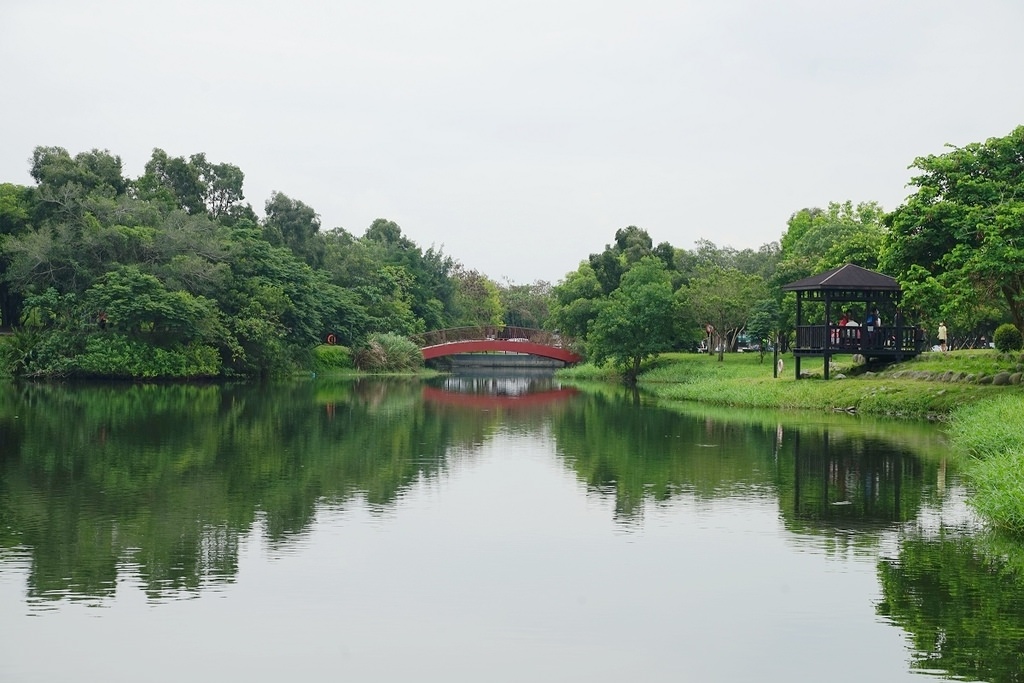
861	290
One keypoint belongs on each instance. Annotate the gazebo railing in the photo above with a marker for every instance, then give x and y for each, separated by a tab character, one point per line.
845	339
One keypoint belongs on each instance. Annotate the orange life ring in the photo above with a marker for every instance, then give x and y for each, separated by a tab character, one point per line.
331	339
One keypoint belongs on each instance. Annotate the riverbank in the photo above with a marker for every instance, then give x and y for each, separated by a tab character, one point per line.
976	393
931	386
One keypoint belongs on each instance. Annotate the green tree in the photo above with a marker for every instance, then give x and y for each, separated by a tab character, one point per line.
54	168
477	299
139	305
195	185
431	287
725	299
763	324
817	240
965	224
16	208
637	321
292	224
575	302
632	244
526	305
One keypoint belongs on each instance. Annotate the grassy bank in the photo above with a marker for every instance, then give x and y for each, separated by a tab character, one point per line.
991	436
986	420
899	390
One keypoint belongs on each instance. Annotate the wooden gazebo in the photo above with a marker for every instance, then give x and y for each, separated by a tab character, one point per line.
858	291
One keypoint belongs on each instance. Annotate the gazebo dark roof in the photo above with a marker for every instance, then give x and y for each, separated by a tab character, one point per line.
845	277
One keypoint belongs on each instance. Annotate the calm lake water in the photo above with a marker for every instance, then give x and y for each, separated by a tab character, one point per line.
484	529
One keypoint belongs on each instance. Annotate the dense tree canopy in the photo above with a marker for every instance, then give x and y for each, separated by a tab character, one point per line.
175	260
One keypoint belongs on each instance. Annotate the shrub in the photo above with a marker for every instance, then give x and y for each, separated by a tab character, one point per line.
326	358
1008	338
118	356
384	352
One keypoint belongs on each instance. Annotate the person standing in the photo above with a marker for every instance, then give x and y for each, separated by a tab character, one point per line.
942	336
871	323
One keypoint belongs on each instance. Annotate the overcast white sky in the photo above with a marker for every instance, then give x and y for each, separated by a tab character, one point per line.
519	136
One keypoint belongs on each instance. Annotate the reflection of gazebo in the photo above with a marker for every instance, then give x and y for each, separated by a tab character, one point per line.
860	290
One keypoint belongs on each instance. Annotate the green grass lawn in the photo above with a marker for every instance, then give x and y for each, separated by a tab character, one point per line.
746	380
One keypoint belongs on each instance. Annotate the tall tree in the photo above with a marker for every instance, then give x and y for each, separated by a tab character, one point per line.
817	240
292	224
637	321
632	244
575	302
16	208
526	305
195	185
725	299
477	300
54	167
431	286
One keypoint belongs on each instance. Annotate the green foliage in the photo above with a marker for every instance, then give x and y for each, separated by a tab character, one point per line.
15	208
637	320
575	302
632	244
762	262
194	185
51	352
963	226
140	305
51	309
477	300
54	168
723	298
292	224
383	352
174	258
114	355
526	305
817	239
16	350
1008	338
327	357
764	323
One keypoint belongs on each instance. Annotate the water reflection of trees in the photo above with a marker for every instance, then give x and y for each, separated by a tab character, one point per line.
960	598
165	480
828	482
639	454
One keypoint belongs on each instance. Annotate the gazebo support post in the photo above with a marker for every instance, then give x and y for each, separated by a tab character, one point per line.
799	318
828	332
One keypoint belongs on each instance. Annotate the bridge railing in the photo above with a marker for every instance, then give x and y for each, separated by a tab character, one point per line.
506	332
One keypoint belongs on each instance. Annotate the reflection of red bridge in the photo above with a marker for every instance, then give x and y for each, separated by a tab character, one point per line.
494	401
496	338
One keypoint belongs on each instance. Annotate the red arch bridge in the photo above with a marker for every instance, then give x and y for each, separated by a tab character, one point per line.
496	338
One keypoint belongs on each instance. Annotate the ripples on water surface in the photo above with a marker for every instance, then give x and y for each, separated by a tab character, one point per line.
483	530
